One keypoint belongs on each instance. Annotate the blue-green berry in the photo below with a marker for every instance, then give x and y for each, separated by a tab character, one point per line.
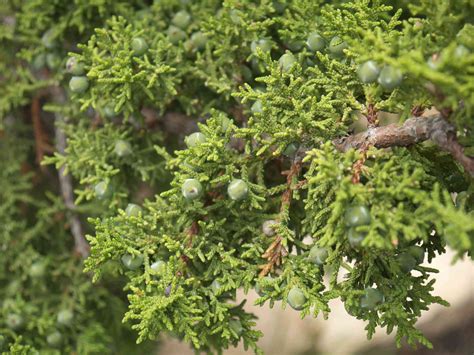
198	40
265	45
215	286
14	321
181	19
53	61
122	148
390	78
191	189
257	107
39	61
65	317
109	111
355	237
290	150
368	72
133	210
158	267
37	269
371	298
318	255
337	46
237	189
235	16
315	42
139	46
418	253
79	84
102	190
132	262
287	61
195	139
176	34
236	326
54	339
358	215
295	45
461	51
48	39
296	298
406	261
74	67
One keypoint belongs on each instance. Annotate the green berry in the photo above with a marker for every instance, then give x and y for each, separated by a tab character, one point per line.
315	42
198	40
65	317
78	84
122	148
225	123
37	269
337	46
181	19
257	107
236	327
102	190
296	298
54	339
358	215
406	261
74	67
368	72
132	262
237	189
195	139
158	267
268	227
290	150
265	45
461	51
318	255
52	61
287	61
390	78
133	210
139	46
235	17
215	286
176	34
418	253
39	61
14	321
295	45
260	289
191	189
279	6
109	111
49	39
355	237
371	298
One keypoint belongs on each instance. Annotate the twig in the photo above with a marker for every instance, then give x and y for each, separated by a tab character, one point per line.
41	145
413	131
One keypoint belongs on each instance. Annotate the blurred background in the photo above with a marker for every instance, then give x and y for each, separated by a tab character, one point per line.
451	329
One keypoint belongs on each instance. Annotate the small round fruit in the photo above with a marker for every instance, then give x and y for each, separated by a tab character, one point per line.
418	253
198	40
215	286
237	189
235	17
54	339
158	267
74	67
65	317
191	189
406	261
287	61
181	19
39	61
390	78
102	190
295	45
109	111
358	215
37	269
139	46
315	42
368	72
78	84
175	34
132	262
48	39
53	61
279	6
257	107
122	148
265	45
372	298
290	150
225	123
133	210
236	326
268	227
461	51
195	139
296	298
14	321
168	291
355	238
318	255
337	46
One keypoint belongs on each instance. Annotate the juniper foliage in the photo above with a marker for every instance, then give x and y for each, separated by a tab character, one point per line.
272	112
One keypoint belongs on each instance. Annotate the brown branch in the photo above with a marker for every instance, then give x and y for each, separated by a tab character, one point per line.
413	131
41	144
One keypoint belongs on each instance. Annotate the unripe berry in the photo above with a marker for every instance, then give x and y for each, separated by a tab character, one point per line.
235	17
318	255
122	148
337	46
264	44
358	215
198	40
295	45
109	111
181	19
65	317
39	61
237	189
461	51
175	34
53	61
48	39
54	339
194	139
37	269
257	107
139	46
191	189
158	267
368	72
372	298
74	67
418	253
215	286
355	238
236	326
14	321
315	42
133	210
132	262
406	261
290	150
102	190
287	61
390	78
268	227
279	6
78	84
296	298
